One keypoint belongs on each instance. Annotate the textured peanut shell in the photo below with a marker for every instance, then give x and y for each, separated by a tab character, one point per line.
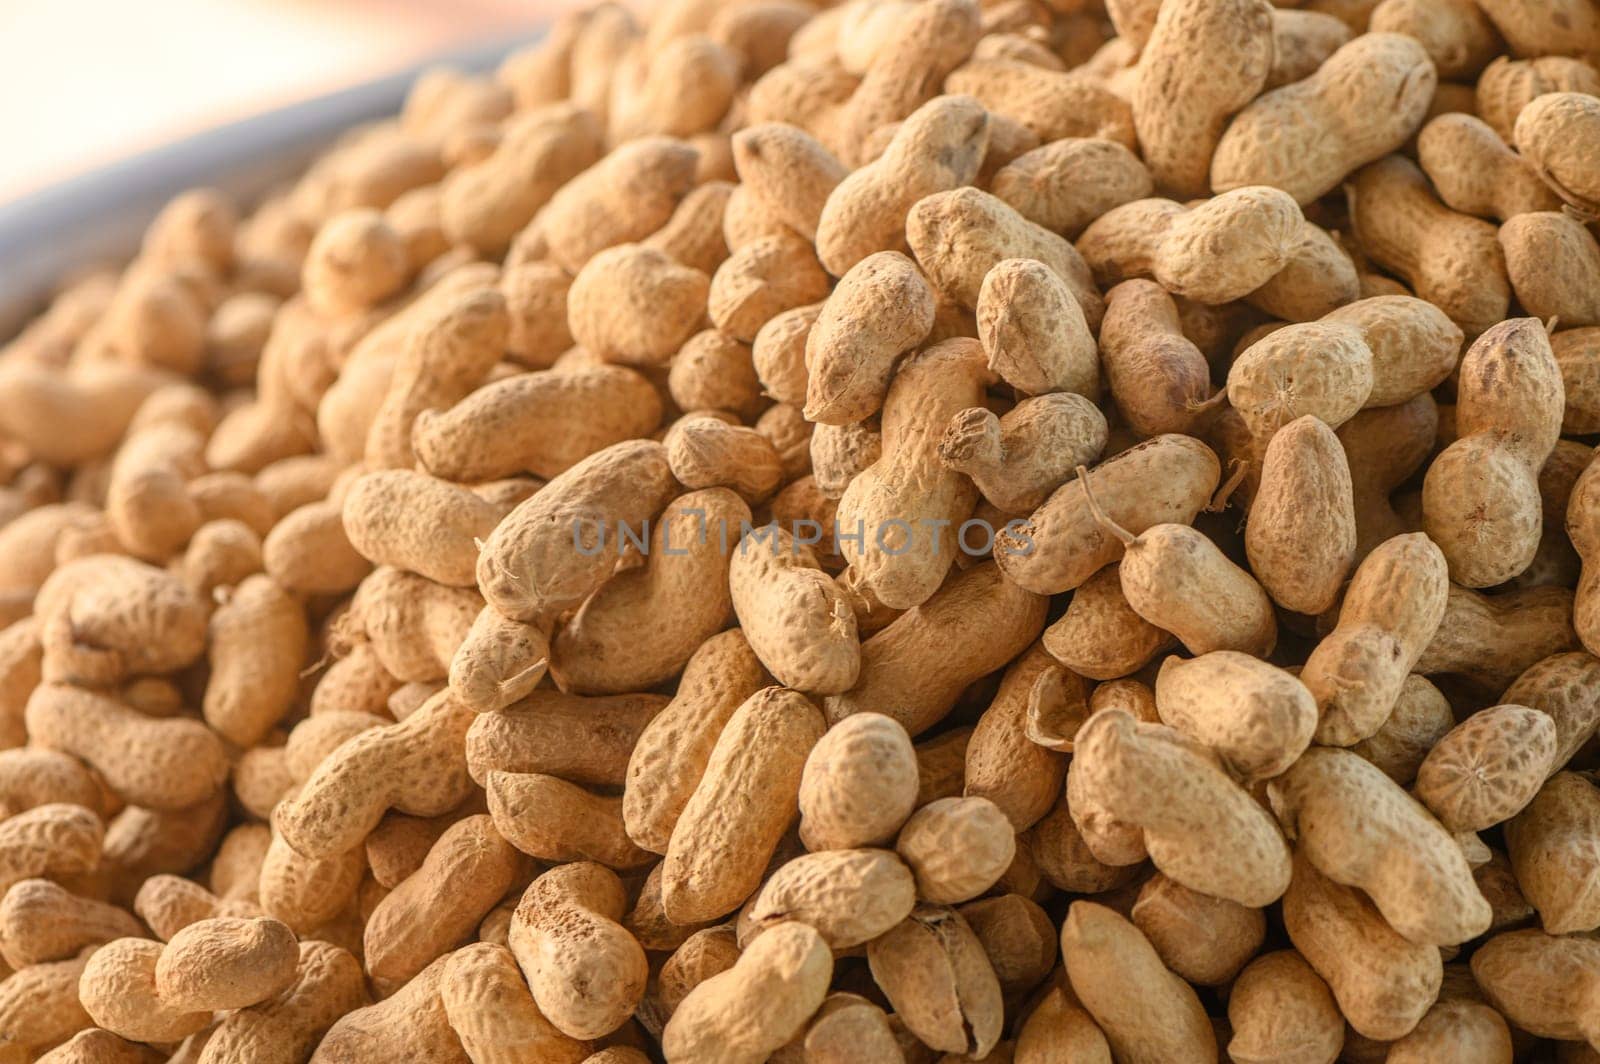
159	764
55	839
1033	330
415	1016
931	41
1206	940
713	371
1282	1011
542	423
1390	613
1554	266
1115	762
1543	984
417	766
983	620
1420	718
682	586
486	203
42	921
1487	768
903	553
413	624
858	785
1148	1014
1557	133
583	218
789	171
1414	345
879	310
1100	636
491	1011
741	807
762	279
1017	935
742	1015
1166	478
1214	60
633	305
226	963
849	896
1257	717
1318	278
958	236
1313	368
118	990
1382	982
444	355
671	753
1364	102
584	970
1004	765
585	740
1158	378
1066	184
1301	535
1406	861
107	616
797	620
937	148
1178	580
465	873
705	451
1478	173
1450	259
498	662
934	972
1554	854
957	848
1019	459
552	820
532	566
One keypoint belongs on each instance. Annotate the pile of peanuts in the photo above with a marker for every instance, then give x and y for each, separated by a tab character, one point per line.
1032	531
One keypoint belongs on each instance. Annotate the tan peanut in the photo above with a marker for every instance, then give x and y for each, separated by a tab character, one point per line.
1405	860
740	807
1246	860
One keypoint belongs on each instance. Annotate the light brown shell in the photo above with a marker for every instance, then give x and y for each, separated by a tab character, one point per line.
542	423
682	585
741	807
1301	535
1390	613
1487	768
849	896
585	972
1166	478
986	620
1552	845
1364	102
671	753
530	566
1114	763
1146	1012
1281	1010
1256	717
934	972
859	784
1204	939
226	963
1407	862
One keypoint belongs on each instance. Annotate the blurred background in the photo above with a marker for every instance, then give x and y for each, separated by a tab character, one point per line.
88	81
